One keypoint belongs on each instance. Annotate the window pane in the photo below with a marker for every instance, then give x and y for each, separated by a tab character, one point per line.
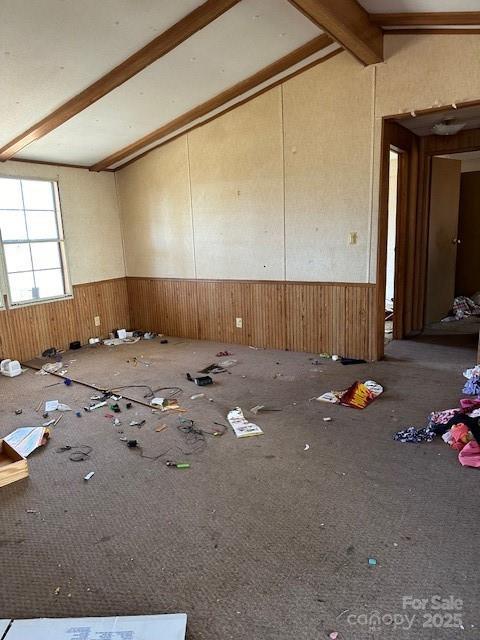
10	194
41	225
49	283
45	255
21	286
12	225
37	194
17	257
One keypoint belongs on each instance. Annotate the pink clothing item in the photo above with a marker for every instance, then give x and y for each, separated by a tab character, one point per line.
470	403
469	456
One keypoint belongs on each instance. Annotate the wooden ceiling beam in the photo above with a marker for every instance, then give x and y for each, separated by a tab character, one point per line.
233	92
349	24
433	19
158	47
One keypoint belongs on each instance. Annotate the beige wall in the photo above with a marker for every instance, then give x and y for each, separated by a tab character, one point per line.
91	220
273	189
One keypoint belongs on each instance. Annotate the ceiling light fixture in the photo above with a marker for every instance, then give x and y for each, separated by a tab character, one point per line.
448	127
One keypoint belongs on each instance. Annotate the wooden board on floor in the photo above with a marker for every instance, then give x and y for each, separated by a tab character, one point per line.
13	466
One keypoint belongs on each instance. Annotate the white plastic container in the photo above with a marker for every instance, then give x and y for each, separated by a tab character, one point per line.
10	368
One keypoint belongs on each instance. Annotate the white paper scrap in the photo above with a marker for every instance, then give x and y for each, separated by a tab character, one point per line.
240	424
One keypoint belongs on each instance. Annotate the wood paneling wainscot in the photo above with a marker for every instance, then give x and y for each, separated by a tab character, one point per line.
298	316
27	331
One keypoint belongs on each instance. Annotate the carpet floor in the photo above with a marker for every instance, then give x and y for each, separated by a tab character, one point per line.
261	538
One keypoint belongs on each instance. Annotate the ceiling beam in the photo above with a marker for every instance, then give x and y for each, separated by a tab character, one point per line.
440	18
265	74
158	47
348	23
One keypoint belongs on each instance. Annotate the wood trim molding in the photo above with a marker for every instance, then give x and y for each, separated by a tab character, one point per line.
446	108
438	18
158	47
265	74
348	23
432	32
315	283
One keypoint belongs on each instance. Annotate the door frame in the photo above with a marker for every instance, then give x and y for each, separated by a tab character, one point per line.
413	205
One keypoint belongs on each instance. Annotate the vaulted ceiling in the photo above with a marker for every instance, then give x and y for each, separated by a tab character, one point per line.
96	84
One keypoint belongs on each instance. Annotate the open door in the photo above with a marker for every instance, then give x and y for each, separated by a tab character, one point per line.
442	237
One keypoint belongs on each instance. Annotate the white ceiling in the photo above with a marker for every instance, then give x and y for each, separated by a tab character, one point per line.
465	155
422	125
248	37
419	6
50	50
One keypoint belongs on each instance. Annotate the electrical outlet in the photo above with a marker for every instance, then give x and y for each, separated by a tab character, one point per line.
239	323
352	237
97	321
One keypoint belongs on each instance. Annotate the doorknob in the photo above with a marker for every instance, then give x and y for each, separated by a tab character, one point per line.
456	241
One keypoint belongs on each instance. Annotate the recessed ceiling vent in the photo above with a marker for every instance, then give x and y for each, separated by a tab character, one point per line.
447	127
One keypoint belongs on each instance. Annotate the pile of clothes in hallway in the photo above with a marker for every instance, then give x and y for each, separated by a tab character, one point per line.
463	307
459	427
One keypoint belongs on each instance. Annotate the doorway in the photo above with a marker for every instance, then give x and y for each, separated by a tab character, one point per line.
423	140
393	197
452	304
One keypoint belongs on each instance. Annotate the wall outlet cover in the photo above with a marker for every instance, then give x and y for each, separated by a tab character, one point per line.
239	323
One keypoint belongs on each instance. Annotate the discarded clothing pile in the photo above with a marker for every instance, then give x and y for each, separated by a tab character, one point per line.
472	386
463	307
459	427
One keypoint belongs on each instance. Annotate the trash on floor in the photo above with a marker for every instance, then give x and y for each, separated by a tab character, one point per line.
372	562
167	404
169	626
347	361
201	381
137	423
359	395
92	407
241	426
222	354
55	405
26	439
177	465
51	367
89	475
114	342
10	368
262	408
197	395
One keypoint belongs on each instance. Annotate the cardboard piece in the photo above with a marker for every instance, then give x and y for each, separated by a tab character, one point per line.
3	626
26	439
165	627
13	466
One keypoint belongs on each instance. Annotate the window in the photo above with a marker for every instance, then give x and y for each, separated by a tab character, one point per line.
32	240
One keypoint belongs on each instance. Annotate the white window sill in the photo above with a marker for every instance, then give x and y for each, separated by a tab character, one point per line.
30	303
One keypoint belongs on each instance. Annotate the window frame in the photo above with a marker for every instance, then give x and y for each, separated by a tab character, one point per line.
60	240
